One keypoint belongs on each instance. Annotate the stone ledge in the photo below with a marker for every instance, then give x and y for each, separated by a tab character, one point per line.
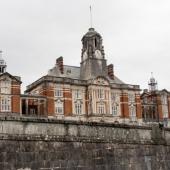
50	138
74	122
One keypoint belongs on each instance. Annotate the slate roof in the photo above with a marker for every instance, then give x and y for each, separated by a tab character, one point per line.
73	72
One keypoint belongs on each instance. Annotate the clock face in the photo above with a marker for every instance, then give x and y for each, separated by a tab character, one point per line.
98	54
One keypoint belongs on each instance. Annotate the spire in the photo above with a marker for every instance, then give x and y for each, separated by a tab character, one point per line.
91	19
2	64
152	83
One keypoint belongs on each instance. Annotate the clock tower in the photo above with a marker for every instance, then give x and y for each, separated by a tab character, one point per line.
93	61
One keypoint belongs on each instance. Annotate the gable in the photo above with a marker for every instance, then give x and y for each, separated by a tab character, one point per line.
9	77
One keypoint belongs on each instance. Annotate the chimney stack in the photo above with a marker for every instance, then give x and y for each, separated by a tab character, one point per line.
110	71
145	90
59	62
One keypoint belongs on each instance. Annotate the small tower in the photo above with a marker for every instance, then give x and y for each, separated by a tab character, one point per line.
152	84
2	64
93	61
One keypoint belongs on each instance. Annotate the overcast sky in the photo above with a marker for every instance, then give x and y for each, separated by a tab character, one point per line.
136	36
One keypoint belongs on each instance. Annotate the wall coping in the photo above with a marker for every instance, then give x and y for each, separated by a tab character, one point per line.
73	122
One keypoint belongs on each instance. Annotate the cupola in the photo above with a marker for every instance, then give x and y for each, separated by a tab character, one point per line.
2	64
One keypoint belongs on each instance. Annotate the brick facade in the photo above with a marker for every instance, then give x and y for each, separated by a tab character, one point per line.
124	106
92	90
67	102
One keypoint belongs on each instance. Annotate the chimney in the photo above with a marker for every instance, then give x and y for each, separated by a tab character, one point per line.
110	71
145	90
59	62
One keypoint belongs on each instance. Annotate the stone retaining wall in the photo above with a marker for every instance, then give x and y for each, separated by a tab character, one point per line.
49	144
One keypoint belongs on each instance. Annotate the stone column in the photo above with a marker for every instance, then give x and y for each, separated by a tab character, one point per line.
26	101
20	107
38	105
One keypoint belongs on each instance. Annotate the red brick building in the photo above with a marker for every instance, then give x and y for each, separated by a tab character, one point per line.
90	91
155	104
10	92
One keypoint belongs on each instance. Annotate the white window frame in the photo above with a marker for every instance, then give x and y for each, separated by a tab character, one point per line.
101	108
114	109
164	99
78	94
5	104
59	108
58	92
78	108
100	93
165	111
132	111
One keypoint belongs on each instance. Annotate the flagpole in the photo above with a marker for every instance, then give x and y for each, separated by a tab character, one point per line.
91	23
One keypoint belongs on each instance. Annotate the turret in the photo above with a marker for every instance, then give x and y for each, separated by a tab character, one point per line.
2	64
152	84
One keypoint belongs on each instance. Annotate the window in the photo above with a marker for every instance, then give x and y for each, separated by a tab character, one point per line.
58	92
78	108
145	100
59	107
164	99
78	94
115	97
5	86
114	110
101	108
165	111
5	104
100	94
132	111
131	98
